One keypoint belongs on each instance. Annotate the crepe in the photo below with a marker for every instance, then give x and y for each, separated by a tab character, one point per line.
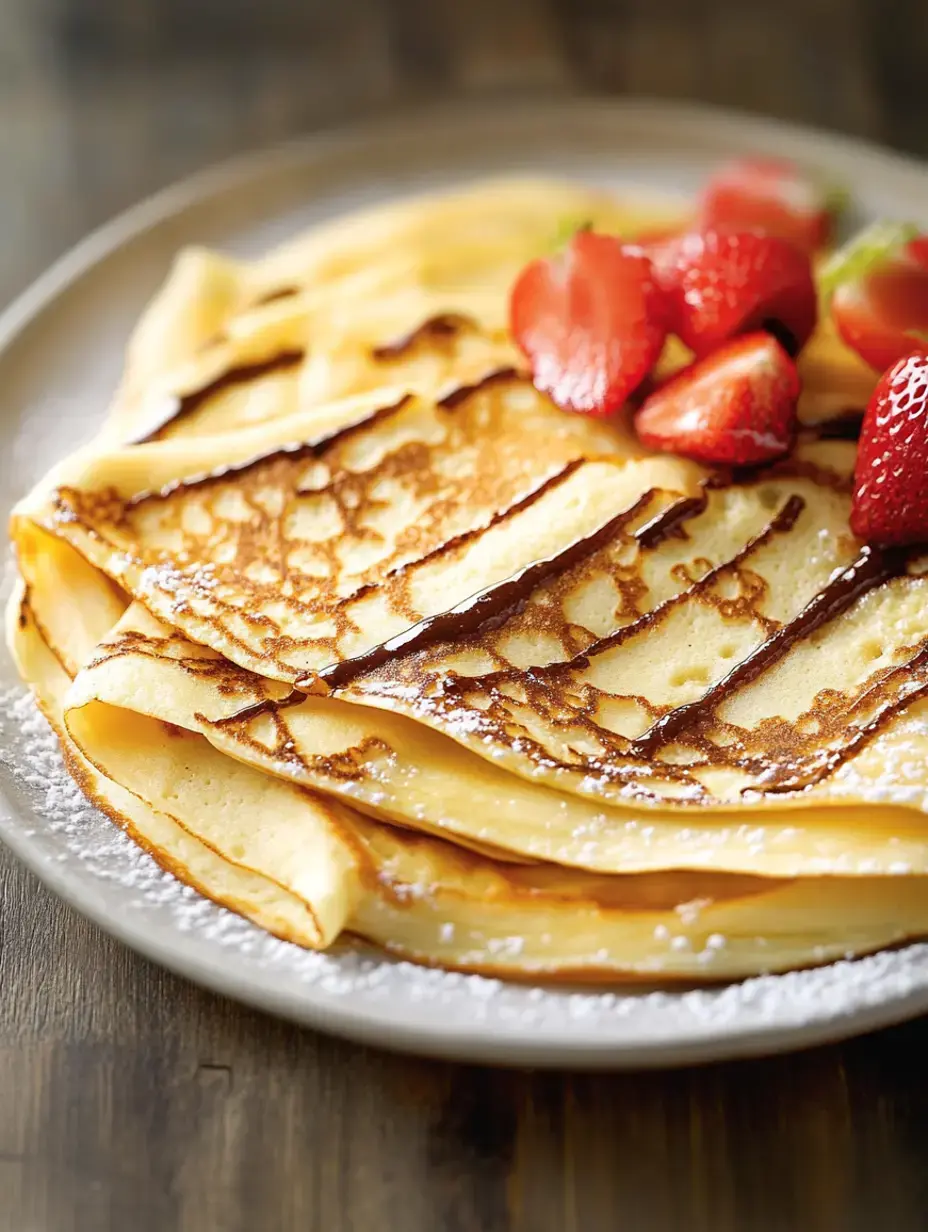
418	287
640	578
385	568
312	870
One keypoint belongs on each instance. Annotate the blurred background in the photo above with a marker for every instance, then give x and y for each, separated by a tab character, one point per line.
103	101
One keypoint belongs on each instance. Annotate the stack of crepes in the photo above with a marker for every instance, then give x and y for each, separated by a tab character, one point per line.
357	633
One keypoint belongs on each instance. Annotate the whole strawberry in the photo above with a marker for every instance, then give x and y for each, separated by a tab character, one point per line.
890	504
720	283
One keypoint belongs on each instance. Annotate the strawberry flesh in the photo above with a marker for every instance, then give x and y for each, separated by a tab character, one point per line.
883	314
723	283
771	195
890	506
735	408
591	320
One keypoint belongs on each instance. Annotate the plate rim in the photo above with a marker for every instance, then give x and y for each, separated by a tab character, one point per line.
334	1014
223	175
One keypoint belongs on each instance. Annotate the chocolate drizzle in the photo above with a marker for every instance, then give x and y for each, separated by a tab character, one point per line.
443	326
499	376
467	536
669	522
487	609
272	297
871	569
295	451
313	449
781	524
267	705
843	427
177	407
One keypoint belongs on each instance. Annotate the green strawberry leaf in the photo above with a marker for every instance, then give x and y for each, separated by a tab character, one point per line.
868	248
566	229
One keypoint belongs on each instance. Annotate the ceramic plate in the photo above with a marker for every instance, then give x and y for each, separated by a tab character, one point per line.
60	354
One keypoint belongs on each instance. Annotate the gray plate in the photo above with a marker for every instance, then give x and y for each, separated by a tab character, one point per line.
60	356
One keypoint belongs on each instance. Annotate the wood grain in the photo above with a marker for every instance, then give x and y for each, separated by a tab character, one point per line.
129	1098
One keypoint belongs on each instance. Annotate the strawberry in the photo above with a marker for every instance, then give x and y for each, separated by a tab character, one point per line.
771	195
591	320
877	286
723	283
890	503
737	407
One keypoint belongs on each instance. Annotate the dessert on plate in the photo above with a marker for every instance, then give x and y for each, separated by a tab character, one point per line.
520	579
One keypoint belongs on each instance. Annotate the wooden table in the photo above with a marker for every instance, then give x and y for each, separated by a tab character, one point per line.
128	1098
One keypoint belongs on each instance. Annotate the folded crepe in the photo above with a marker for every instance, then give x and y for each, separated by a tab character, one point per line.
356	632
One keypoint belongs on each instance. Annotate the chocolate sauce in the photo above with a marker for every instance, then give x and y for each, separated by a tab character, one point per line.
783	522
499	376
178	407
267	705
669	522
871	569
843	427
295	450
271	297
487	609
444	325
466	536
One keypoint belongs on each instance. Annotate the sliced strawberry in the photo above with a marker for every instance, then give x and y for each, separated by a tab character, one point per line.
878	289
591	320
735	408
890	493
772	195
723	283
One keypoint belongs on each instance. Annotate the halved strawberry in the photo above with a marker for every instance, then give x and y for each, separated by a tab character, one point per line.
890	493
877	286
591	320
723	283
772	195
735	408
